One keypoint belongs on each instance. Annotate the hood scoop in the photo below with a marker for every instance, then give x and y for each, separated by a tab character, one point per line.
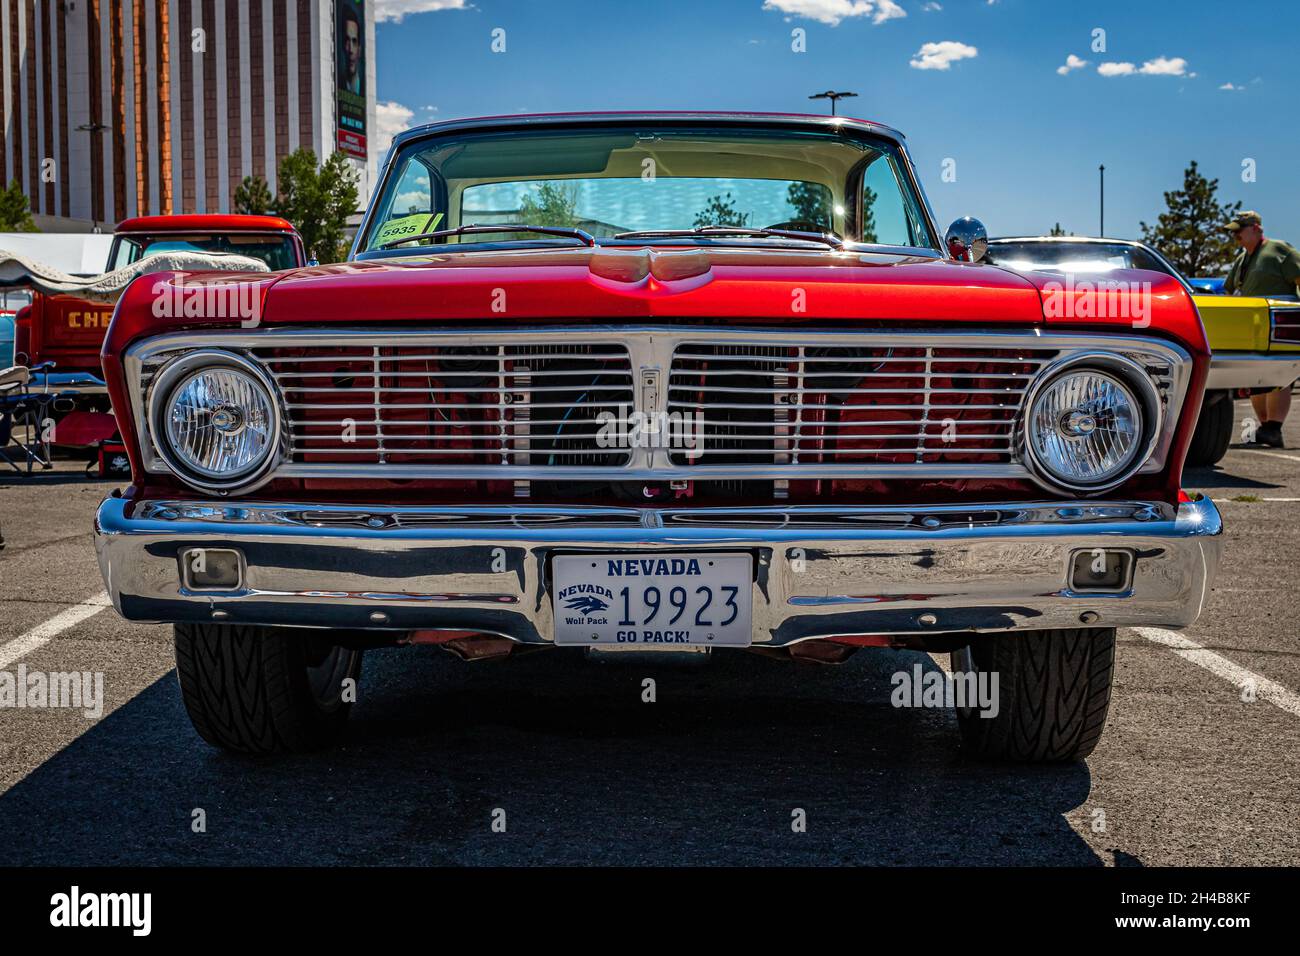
667	270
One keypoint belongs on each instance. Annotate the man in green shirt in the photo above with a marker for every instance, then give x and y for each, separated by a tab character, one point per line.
1265	267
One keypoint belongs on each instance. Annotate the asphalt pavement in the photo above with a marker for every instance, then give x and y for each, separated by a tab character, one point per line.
1198	765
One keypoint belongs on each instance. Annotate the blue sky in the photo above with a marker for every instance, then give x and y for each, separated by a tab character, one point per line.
1025	138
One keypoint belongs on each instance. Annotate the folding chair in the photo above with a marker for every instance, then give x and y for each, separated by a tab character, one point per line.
23	413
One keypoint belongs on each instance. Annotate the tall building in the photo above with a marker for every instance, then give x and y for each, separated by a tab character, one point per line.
119	108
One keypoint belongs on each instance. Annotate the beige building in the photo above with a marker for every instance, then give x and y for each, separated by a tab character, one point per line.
120	108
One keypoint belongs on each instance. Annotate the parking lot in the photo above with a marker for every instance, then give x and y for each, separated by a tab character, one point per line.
1198	765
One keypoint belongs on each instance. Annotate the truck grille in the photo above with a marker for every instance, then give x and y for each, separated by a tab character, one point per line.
451	404
804	405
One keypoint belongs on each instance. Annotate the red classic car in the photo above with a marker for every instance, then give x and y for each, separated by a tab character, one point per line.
69	331
658	383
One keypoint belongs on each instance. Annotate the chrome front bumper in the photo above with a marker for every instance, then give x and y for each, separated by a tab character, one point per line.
819	571
1253	369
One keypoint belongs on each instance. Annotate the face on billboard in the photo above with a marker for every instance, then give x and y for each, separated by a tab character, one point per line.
351	70
352	49
350	66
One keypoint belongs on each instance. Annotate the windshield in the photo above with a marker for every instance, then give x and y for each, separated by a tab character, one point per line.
276	250
1055	256
607	182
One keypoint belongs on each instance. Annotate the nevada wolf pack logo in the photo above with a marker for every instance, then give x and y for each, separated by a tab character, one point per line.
587	604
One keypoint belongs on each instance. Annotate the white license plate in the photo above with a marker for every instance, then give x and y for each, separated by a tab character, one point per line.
653	600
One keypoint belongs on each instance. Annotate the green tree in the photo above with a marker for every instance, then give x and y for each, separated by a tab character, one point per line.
869	198
318	201
1057	230
253	197
15	212
811	203
554	205
1190	232
721	211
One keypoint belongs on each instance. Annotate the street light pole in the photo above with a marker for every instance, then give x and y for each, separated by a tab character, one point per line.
833	96
1102	207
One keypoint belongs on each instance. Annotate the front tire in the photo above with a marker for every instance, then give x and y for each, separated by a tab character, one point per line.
1213	431
1053	693
264	690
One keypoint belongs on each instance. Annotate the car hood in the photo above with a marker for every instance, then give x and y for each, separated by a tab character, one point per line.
529	286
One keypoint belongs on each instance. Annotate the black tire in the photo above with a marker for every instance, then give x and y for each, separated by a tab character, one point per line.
1213	430
1053	691
264	690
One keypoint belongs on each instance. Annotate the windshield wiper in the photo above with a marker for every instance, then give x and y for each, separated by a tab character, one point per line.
829	238
586	238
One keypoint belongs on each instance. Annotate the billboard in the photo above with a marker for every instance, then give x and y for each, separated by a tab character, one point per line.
350	71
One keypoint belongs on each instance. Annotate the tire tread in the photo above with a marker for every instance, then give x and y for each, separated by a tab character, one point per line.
1055	692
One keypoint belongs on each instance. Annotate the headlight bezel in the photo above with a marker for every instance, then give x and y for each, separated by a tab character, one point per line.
1129	374
176	373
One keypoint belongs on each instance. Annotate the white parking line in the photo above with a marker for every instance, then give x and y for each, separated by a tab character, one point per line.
1235	501
43	633
1276	454
1189	650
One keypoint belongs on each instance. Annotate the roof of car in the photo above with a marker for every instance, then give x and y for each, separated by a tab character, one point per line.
1113	242
816	120
224	222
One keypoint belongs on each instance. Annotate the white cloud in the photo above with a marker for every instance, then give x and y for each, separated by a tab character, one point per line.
1160	66
1072	62
1116	69
1230	86
831	12
390	119
931	7
941	55
888	10
1165	66
395	10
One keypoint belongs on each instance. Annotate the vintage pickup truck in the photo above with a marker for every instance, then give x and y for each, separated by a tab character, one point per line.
658	383
69	331
1254	342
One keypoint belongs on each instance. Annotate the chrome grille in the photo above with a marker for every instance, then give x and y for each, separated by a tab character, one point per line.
451	404
526	404
885	404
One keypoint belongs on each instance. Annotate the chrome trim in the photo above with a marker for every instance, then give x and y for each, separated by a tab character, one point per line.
1136	377
1253	369
653	346
820	571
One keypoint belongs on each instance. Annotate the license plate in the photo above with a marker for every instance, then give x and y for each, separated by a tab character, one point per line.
653	600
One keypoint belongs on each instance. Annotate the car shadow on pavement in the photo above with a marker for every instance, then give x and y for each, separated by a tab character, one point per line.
579	768
1213	476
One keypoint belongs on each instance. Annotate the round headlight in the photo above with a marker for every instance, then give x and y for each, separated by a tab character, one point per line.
215	419
1089	427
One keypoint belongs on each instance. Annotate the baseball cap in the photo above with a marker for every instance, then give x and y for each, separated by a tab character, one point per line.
1243	219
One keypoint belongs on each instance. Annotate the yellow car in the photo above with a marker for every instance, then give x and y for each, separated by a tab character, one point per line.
1255	342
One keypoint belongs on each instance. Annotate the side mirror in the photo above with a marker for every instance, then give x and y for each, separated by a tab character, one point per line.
967	240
